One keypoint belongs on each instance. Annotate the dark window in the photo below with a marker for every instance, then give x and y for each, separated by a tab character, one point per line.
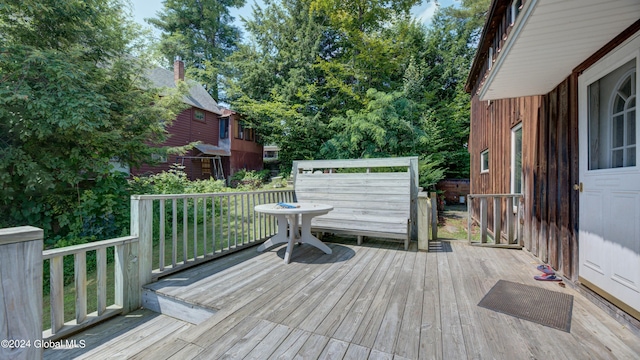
239	130
224	127
249	134
199	115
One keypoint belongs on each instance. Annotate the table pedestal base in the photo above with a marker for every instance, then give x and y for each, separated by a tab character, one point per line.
295	235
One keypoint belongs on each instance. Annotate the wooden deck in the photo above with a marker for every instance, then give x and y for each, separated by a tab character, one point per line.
373	301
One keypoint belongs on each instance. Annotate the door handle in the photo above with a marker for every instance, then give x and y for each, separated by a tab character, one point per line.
577	187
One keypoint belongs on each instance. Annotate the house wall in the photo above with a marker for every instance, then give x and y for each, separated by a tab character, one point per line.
550	160
549	165
453	189
184	130
245	154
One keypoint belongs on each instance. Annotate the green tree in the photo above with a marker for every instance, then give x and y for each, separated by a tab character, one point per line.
202	33
73	96
452	40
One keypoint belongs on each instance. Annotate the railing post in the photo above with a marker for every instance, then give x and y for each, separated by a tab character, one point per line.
133	277
434	216
21	292
424	218
469	216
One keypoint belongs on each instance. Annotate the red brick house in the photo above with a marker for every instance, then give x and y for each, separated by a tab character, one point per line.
199	122
554	86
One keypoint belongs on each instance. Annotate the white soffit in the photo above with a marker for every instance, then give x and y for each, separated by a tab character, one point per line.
552	37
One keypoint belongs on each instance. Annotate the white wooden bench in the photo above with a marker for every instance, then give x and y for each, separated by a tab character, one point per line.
378	201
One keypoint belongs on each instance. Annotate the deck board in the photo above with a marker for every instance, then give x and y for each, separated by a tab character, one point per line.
362	302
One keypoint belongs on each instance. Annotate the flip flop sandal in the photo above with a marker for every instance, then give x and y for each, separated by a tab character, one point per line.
549	277
546	269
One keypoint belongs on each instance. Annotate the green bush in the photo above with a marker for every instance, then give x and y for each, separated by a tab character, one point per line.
249	180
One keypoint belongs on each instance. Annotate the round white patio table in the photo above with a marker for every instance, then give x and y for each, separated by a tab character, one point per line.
290	218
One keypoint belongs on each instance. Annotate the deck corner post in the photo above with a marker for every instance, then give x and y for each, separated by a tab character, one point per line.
142	227
21	267
424	219
434	215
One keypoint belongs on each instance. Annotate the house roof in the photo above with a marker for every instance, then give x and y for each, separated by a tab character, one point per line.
548	40
197	97
213	150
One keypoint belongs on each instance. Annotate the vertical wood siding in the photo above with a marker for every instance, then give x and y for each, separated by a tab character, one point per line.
549	165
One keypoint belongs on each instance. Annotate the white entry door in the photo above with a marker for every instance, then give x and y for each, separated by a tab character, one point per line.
609	224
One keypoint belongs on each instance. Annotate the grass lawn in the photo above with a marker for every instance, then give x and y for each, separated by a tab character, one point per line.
235	226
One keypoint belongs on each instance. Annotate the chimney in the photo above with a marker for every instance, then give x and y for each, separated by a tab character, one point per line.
178	69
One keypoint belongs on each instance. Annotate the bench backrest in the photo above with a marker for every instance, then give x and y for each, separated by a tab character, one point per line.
382	187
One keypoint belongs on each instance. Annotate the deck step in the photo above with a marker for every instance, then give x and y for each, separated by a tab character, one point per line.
174	307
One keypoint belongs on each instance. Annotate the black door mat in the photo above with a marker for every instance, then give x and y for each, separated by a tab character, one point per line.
542	306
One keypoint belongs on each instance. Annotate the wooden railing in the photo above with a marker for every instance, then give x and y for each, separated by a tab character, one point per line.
125	275
179	231
168	233
498	217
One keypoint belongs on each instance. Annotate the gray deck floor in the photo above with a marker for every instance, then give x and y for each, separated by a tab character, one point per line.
374	301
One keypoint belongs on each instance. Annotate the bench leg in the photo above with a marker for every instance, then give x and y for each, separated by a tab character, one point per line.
360	238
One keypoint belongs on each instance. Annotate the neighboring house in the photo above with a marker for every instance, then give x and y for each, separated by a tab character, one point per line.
270	153
199	122
553	116
246	152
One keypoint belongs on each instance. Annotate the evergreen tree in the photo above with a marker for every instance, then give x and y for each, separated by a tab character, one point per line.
202	33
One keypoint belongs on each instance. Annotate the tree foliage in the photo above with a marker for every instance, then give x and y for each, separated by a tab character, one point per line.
202	33
72	98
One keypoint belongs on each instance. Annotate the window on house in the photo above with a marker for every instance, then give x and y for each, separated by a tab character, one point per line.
484	161
239	130
516	160
224	127
198	115
249	134
612	119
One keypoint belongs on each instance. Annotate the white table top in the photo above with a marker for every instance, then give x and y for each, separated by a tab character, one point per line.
301	208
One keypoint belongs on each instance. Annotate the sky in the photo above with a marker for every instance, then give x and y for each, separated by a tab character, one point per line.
148	8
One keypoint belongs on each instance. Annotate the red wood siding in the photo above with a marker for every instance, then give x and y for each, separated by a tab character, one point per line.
184	130
549	165
453	189
245	154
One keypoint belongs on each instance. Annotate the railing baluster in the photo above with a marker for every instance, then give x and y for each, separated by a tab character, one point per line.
101	262
185	226
235	220
174	227
497	220
204	228
229	222
213	225
221	223
242	241
56	292
161	242
253	216
80	260
195	220
483	220
509	220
